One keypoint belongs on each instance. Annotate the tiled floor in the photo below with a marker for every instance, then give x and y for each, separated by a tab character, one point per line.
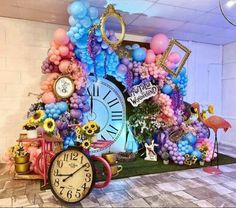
189	188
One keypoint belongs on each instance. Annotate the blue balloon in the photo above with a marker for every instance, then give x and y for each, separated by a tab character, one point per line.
190	149
183	71
197	153
77	9
167	89
191	138
139	54
134	46
86	22
93	12
63	106
72	21
176	80
55	116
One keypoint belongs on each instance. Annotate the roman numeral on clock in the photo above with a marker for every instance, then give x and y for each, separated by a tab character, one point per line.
113	102
112	131
116	115
95	91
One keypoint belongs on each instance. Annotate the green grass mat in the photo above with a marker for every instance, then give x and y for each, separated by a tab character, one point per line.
143	167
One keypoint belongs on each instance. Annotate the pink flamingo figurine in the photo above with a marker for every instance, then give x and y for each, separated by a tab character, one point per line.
215	123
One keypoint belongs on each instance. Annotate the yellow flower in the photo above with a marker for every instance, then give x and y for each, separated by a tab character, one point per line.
49	125
204	115
85	127
78	129
37	117
89	132
93	125
211	109
86	144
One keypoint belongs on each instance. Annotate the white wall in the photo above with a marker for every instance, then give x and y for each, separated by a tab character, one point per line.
23	47
228	91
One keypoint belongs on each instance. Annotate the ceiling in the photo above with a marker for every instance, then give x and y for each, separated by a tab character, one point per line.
195	20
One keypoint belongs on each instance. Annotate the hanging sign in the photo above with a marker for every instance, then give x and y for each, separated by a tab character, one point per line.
142	92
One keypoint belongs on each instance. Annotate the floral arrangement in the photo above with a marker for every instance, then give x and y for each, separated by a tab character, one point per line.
144	120
86	133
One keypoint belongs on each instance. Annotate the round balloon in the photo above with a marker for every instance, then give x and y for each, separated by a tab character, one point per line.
139	54
159	43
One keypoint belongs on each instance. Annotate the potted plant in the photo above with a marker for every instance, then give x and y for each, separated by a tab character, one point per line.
21	158
31	131
165	156
203	158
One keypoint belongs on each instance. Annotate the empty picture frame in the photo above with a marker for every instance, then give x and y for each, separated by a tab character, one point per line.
174	43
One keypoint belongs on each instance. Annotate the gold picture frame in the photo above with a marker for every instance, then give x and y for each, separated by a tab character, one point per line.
111	12
163	60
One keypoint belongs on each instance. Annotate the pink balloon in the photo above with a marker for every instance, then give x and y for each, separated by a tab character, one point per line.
60	37
64	66
150	57
63	50
159	43
48	97
174	57
170	65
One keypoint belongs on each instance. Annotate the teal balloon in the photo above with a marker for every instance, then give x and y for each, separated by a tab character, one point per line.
139	54
176	80
189	149
167	89
55	116
77	9
134	46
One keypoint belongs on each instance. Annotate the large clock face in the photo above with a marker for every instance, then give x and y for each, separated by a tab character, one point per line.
71	175
108	110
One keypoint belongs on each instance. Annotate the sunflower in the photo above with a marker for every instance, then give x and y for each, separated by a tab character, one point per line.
89	132
85	127
78	129
49	125
93	125
211	109
204	115
37	117
86	144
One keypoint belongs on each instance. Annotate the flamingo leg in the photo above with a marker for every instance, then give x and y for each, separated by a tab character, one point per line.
217	151
215	142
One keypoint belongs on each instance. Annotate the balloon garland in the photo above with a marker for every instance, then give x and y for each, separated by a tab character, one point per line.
81	51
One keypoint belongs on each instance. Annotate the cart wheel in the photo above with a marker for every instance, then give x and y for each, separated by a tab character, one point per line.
103	171
40	162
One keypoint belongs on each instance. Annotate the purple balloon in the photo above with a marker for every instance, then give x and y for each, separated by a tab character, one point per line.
75	113
171	152
125	61
122	69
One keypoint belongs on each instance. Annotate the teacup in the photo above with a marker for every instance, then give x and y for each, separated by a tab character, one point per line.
116	169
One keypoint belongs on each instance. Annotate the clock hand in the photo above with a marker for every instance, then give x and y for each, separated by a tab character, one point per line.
63	174
70	175
91	103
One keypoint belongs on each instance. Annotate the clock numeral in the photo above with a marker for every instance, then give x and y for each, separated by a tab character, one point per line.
62	188
56	172
87	167
95	91
116	115
104	98
113	131
69	194
59	163
88	177
103	137
56	182
113	102
66	157
74	156
77	194
84	186
81	159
